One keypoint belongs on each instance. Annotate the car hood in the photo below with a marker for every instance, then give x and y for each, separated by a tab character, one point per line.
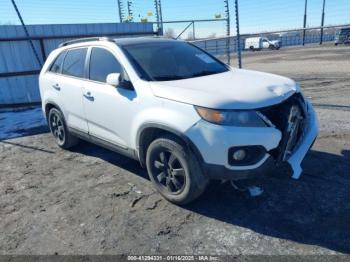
235	89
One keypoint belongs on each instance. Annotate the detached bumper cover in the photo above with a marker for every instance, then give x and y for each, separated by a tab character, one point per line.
305	143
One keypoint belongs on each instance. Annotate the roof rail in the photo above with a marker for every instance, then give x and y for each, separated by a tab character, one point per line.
86	39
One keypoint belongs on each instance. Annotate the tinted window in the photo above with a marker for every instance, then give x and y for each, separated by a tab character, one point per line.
102	63
171	60
57	65
74	62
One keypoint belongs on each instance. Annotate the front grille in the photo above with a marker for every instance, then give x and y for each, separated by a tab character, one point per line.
289	117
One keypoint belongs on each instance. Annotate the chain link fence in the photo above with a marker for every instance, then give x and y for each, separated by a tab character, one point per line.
311	26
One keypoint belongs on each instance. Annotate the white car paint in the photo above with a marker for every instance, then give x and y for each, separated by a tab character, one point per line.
235	89
116	115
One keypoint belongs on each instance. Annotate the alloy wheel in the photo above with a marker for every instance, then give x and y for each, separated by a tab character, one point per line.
57	128
169	172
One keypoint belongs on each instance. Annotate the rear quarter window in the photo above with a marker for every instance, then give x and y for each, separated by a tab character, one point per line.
56	67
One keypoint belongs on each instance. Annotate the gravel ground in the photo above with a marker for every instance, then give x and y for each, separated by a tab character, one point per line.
92	201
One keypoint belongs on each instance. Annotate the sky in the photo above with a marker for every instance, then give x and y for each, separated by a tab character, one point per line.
255	15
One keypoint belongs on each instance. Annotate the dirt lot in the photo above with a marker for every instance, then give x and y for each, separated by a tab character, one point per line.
92	201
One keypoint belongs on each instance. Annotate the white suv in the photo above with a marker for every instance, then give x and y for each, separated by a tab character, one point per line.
182	113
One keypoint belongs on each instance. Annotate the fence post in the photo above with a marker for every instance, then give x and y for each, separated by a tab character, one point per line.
161	17
322	22
238	37
305	17
228	31
193	31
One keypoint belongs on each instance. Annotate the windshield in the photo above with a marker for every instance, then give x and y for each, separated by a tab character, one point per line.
165	61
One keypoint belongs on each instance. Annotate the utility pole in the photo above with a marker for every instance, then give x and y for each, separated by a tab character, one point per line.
227	15
305	17
121	11
238	36
130	14
161	17
157	16
322	22
26	32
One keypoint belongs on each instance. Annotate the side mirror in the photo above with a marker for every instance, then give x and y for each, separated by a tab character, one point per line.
113	79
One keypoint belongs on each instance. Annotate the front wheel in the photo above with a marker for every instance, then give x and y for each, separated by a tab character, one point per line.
174	170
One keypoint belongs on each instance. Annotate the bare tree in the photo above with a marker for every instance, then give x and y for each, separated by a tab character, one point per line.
169	33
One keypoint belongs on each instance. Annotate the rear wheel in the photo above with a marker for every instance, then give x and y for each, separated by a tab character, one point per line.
59	129
174	170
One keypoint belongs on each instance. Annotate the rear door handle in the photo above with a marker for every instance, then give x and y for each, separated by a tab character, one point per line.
57	87
89	96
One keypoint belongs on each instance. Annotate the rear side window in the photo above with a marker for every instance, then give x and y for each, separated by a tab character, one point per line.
74	62
102	63
56	67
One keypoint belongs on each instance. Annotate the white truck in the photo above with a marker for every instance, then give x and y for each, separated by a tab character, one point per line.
258	43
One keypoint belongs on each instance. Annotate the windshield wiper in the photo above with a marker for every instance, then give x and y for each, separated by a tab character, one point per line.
168	77
205	73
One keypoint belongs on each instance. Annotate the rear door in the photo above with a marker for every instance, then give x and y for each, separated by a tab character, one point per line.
70	86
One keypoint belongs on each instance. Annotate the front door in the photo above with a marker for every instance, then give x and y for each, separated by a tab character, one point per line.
109	109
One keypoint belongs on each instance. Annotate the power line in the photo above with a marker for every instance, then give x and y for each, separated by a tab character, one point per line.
26	32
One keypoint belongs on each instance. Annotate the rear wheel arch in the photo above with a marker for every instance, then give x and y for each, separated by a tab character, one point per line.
48	106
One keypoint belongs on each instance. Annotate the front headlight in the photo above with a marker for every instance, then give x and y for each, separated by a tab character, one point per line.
241	118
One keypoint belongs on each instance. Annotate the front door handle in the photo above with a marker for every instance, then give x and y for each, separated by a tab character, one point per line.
57	87
89	96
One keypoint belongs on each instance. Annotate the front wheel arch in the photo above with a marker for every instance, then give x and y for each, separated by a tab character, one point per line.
149	132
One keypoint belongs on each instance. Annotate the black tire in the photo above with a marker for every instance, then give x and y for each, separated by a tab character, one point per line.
59	129
174	170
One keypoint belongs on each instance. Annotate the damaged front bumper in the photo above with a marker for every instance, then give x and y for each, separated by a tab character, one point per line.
305	142
212	145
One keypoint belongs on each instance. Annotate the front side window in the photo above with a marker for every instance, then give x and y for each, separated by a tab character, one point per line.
171	60
57	65
74	62
103	63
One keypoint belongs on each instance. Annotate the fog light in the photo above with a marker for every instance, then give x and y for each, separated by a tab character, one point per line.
239	155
